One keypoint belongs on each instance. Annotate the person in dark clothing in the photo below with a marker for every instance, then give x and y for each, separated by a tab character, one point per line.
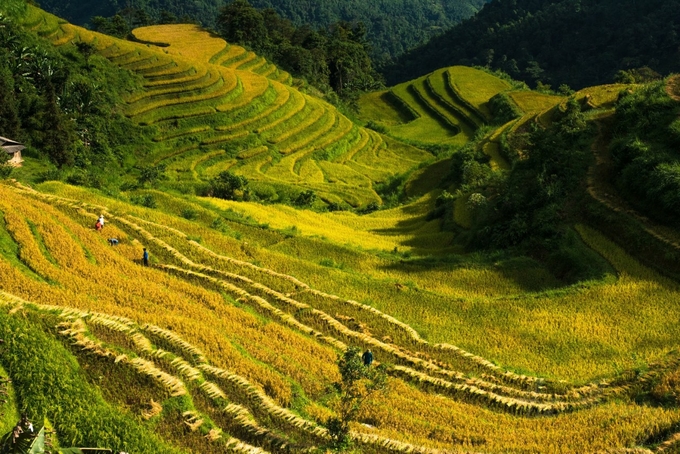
145	257
113	241
367	357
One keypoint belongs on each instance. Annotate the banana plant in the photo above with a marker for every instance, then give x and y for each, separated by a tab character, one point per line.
24	439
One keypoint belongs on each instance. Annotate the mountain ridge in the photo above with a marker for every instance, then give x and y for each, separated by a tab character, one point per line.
574	42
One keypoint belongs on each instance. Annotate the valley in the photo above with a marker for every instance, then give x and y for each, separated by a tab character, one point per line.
376	229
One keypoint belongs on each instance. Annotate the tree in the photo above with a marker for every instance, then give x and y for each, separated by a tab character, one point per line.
637	76
116	26
5	167
358	383
151	174
59	136
305	198
9	114
348	60
228	186
240	23
87	50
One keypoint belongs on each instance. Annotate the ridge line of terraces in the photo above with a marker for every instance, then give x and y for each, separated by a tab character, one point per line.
341	329
200	80
314	113
218	87
453	103
313	131
432	107
297	109
76	327
254	86
283	95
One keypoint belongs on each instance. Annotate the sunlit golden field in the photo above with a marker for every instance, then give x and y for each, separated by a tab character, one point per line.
228	341
485	309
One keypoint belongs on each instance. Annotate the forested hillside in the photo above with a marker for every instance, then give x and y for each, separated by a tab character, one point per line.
574	42
64	104
393	27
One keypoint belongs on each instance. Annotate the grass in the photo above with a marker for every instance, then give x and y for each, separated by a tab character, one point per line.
475	87
185	40
532	102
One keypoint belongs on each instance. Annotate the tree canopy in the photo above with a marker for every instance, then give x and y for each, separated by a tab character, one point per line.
336	57
573	42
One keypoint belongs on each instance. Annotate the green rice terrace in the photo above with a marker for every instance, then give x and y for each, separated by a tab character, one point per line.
486	242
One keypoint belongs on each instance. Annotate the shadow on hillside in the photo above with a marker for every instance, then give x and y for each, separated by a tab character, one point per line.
529	274
404	114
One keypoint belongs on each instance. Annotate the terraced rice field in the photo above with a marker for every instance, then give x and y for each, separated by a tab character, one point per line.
445	107
532	102
244	342
432	122
205	95
474	87
228	341
601	96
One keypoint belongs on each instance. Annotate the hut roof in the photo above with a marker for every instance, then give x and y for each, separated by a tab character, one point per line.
10	146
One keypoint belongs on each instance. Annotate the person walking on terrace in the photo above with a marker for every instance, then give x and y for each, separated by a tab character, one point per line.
367	357
145	258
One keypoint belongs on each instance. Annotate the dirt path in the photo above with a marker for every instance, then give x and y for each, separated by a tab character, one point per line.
673	87
600	187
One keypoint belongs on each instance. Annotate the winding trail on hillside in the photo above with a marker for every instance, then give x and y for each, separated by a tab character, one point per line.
600	177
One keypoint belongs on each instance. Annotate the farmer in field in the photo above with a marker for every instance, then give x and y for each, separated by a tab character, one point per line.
98	226
113	241
145	257
367	357
101	220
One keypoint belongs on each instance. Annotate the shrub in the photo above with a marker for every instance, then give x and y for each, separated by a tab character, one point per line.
305	198
370	208
503	108
377	126
358	383
150	175
228	186
5	171
50	175
189	214
145	200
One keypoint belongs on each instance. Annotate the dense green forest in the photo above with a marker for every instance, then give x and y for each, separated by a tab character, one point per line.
336	57
64	104
573	42
393	27
646	131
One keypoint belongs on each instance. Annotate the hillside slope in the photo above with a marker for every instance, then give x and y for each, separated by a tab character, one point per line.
214	107
558	333
578	43
243	352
